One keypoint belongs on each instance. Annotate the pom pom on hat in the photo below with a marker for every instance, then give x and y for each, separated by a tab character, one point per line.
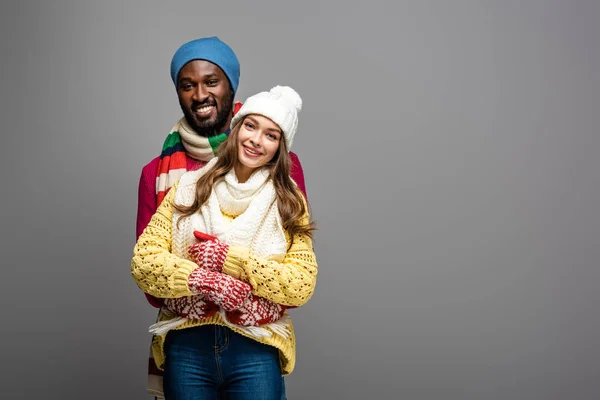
288	94
281	105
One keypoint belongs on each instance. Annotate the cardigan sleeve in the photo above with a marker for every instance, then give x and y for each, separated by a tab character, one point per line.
290	282
147	208
154	268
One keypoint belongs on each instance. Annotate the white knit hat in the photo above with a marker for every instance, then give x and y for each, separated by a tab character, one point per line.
281	104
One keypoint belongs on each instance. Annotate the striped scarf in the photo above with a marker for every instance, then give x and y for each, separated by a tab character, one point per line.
183	139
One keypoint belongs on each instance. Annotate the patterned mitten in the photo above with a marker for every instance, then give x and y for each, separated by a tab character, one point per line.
256	311
221	289
192	307
209	252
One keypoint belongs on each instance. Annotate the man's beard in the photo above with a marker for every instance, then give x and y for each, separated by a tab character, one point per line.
209	127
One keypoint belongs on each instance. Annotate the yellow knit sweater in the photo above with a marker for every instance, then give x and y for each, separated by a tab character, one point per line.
160	273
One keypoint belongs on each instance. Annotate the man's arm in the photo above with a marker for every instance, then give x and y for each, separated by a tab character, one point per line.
297	174
146	203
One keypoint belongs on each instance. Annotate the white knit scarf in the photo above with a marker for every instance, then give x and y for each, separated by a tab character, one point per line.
256	225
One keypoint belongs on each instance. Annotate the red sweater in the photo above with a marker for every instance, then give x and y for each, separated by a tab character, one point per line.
147	195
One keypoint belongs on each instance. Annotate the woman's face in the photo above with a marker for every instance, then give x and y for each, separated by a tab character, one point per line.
258	141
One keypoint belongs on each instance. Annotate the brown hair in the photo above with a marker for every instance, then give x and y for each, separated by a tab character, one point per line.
290	201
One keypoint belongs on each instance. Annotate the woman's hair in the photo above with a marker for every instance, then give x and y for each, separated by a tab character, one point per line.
290	200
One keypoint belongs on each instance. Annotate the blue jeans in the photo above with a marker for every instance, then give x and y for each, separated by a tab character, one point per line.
214	362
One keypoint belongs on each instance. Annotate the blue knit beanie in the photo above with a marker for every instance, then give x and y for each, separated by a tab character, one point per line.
210	49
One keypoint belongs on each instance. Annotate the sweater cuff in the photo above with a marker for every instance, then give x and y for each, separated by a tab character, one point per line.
181	278
234	263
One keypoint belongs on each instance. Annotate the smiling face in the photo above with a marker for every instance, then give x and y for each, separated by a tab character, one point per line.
205	97
258	141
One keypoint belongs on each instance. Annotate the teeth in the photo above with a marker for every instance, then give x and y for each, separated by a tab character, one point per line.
203	109
252	151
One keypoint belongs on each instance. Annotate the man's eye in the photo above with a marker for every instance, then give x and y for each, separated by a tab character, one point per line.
186	86
212	82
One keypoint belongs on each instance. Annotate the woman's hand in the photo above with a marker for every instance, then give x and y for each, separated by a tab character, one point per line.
221	289
209	252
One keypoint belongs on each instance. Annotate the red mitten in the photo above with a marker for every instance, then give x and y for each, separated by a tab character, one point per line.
210	252
256	311
221	289
204	236
192	307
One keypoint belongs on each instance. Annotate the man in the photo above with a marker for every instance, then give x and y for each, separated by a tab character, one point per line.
206	74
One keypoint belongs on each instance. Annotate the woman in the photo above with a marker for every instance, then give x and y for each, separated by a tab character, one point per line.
229	249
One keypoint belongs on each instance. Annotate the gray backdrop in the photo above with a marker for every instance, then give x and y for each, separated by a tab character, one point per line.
450	153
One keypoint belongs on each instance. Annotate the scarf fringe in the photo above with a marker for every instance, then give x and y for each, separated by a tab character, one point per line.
279	327
162	327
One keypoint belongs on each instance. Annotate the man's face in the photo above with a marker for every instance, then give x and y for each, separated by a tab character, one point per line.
205	97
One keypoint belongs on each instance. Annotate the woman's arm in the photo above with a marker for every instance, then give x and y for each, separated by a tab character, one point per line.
162	274
290	282
155	269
